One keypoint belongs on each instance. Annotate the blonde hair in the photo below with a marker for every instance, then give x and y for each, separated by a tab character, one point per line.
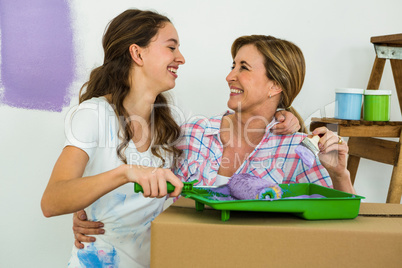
284	64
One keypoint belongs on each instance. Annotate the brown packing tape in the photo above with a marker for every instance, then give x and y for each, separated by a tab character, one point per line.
381	215
380	210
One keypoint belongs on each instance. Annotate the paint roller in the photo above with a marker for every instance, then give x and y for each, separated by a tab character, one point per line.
240	186
246	186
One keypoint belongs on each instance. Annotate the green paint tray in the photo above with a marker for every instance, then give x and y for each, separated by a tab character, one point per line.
335	205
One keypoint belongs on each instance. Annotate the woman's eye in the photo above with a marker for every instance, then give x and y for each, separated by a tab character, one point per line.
244	68
231	68
172	48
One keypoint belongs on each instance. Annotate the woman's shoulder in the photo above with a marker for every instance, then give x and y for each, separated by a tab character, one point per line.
298	135
294	138
95	101
91	111
94	106
202	123
199	129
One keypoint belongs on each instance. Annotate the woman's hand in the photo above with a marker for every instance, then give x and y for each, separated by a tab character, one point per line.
333	150
333	156
82	227
289	123
153	180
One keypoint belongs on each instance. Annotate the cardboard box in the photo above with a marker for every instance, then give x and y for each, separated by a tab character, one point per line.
184	237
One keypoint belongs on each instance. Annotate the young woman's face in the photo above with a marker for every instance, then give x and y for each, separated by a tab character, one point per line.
248	82
162	58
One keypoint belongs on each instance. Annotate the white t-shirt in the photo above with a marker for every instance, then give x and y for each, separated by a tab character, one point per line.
93	127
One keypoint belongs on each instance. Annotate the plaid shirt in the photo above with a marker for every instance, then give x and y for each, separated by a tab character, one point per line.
273	159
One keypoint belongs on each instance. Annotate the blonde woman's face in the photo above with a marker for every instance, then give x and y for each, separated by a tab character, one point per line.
249	86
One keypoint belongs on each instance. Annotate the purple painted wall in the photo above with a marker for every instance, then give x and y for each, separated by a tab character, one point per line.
37	56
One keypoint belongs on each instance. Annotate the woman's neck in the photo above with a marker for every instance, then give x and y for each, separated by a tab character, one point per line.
139	104
141	99
139	108
248	125
254	121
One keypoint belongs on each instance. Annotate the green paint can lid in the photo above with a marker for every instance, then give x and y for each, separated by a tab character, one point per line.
377	92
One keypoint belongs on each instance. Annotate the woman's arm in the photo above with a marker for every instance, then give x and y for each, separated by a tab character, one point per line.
333	156
68	192
288	123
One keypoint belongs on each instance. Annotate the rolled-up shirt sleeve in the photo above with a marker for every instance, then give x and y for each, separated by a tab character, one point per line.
82	127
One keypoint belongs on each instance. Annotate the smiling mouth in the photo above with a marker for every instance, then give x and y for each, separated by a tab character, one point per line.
236	91
172	70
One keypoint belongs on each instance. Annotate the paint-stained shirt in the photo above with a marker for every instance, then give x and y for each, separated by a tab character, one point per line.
93	127
273	159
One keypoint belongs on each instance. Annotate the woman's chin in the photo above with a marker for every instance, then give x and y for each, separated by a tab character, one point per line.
235	106
168	87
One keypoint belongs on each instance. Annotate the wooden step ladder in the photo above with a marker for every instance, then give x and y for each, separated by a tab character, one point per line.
363	141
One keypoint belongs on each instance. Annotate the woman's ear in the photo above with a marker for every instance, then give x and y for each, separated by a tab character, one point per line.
135	53
275	89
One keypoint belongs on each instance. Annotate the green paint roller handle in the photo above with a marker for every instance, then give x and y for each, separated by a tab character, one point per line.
138	188
188	186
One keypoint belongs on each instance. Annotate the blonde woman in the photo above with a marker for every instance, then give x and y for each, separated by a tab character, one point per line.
267	74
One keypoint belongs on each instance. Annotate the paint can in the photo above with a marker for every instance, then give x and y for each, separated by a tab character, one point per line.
348	103
377	104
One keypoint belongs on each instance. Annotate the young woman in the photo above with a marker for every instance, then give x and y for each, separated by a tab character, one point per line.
110	141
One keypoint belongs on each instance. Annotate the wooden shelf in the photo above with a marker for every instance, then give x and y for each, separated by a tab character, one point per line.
360	128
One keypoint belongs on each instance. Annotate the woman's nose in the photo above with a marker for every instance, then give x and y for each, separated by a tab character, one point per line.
231	76
180	58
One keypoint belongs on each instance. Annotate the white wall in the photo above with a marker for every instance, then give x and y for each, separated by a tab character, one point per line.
335	39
